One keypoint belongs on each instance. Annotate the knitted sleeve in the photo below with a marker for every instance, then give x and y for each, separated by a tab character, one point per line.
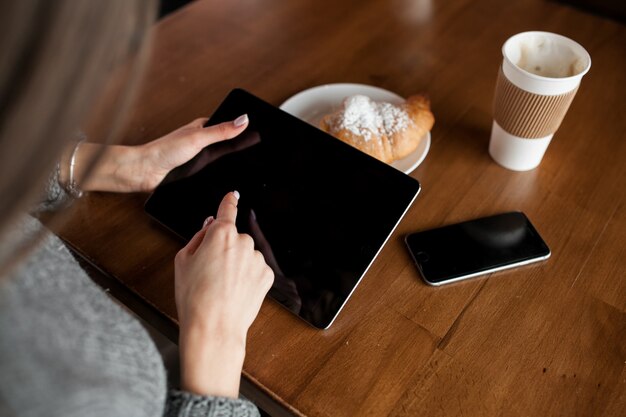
54	195
185	404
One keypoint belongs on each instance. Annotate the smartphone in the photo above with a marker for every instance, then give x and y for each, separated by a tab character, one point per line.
476	247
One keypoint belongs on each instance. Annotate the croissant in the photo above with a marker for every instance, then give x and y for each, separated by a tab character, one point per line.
383	130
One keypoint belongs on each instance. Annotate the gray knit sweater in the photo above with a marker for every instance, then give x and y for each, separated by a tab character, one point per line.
67	350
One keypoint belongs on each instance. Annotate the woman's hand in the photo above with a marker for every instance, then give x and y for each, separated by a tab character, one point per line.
220	283
141	168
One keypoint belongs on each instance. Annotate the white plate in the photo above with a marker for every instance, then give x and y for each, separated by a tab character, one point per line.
313	104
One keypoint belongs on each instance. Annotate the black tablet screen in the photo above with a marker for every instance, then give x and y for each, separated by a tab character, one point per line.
318	209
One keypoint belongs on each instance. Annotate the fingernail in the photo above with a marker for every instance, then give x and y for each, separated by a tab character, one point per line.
236	194
207	221
241	120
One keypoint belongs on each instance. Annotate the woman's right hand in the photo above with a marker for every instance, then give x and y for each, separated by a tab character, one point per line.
220	283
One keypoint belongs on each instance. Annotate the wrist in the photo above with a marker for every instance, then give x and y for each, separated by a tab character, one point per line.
110	173
211	362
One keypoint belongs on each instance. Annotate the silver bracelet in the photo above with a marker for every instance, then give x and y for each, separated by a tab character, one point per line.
72	186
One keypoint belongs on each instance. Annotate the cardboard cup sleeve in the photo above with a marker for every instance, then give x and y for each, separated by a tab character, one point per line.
528	115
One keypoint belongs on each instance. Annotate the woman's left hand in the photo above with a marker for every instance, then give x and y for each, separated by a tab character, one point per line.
143	167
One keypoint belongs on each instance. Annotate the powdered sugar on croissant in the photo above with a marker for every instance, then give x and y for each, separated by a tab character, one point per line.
383	130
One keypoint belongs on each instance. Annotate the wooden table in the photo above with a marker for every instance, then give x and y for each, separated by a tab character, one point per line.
548	339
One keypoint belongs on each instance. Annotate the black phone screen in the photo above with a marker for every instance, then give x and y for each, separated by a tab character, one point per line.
476	247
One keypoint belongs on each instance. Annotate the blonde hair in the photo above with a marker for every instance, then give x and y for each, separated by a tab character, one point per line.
55	59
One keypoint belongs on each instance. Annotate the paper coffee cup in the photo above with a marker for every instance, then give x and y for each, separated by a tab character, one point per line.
537	82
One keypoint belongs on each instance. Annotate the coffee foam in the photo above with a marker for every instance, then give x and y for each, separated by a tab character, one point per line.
544	56
547	55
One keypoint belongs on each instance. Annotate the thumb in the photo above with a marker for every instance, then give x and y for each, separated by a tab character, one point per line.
223	131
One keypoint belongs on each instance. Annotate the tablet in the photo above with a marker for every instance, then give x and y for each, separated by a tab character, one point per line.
318	209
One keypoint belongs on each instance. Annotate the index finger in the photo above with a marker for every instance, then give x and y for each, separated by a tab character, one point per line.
227	210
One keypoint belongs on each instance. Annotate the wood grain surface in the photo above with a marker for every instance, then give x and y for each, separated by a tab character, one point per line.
548	339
